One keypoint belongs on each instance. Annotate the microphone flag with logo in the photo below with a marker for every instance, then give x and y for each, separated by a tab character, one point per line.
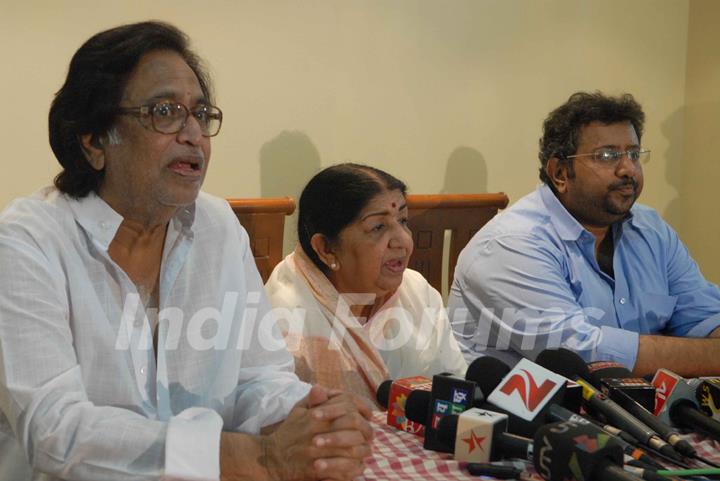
527	389
676	402
708	397
449	395
568	451
393	396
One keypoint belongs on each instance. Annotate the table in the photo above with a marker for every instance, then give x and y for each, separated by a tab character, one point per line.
400	456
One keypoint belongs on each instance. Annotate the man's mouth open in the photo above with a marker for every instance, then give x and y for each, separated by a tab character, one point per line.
186	167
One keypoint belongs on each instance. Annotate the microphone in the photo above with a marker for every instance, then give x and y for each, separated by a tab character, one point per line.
449	395
527	389
609	376
676	403
417	406
489	373
708	397
568	451
620	396
558	414
479	436
569	364
392	395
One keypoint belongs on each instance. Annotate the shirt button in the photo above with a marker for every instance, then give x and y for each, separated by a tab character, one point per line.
622	300
142	370
138	323
103	224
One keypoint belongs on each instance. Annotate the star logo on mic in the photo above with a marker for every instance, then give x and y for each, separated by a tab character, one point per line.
528	390
474	441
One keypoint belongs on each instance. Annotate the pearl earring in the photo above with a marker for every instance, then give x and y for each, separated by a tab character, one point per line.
333	266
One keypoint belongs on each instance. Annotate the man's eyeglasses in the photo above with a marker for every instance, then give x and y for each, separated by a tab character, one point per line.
612	157
171	117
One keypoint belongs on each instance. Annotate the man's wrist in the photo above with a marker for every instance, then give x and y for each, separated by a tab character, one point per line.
245	457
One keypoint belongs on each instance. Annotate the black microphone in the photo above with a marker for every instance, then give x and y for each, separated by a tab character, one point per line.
570	365
567	451
417	406
609	376
676	402
634	408
559	414
480	436
487	372
449	395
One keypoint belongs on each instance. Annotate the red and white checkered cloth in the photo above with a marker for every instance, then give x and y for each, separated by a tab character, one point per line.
704	446
398	455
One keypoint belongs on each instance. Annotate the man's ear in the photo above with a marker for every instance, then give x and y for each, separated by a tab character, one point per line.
324	250
94	150
558	173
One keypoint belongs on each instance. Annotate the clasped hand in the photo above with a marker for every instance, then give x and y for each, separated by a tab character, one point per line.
326	436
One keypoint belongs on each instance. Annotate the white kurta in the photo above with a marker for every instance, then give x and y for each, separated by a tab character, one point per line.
81	394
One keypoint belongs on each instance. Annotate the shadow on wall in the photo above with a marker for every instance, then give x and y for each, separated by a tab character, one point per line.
673	128
465	173
287	162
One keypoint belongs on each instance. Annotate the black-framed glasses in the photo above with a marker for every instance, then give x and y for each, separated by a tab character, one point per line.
611	157
171	117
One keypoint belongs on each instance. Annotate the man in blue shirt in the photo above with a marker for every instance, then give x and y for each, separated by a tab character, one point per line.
577	264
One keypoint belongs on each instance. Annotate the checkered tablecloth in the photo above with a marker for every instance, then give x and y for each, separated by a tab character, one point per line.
400	456
705	447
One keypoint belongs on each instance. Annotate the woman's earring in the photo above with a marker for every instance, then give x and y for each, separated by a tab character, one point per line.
333	266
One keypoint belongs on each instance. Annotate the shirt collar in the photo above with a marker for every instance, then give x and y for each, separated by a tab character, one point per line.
566	225
101	222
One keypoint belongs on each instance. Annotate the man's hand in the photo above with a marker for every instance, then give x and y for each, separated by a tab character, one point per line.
326	436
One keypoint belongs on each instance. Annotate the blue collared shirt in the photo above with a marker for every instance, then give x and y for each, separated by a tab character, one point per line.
529	280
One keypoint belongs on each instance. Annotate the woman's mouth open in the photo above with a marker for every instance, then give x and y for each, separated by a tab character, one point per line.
396	266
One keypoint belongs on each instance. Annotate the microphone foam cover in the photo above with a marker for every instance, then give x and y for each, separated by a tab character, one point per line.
487	372
383	393
563	362
417	406
567	450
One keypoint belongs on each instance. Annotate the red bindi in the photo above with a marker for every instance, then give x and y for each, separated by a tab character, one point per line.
394	204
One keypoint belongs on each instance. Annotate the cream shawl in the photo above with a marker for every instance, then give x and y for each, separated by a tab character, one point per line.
408	336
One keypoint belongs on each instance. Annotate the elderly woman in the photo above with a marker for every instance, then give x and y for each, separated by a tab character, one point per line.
352	313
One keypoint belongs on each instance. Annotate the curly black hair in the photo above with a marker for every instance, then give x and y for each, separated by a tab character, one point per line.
562	126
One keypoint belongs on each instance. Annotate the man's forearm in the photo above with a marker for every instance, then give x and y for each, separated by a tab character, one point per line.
688	357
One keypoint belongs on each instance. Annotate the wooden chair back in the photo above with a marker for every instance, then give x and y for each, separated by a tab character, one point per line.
431	215
264	221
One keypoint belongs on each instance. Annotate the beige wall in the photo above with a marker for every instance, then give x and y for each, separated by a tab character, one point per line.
699	168
448	95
